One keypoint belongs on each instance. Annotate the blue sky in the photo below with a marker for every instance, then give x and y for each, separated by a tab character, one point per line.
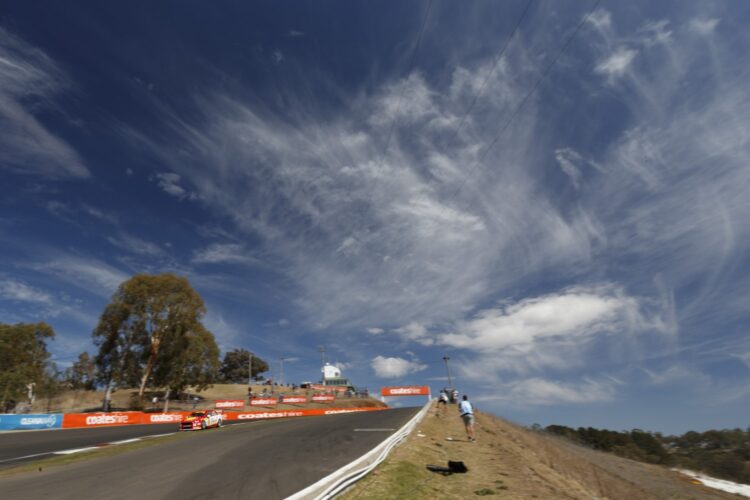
324	176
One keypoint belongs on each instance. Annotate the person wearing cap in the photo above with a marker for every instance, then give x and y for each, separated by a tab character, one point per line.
467	415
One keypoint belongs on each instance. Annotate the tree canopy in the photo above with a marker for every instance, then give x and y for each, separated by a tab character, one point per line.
234	366
151	331
82	375
23	360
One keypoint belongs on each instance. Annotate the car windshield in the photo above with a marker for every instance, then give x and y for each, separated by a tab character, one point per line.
197	414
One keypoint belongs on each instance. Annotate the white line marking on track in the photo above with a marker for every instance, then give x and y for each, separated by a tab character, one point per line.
26	456
133	440
374	430
76	450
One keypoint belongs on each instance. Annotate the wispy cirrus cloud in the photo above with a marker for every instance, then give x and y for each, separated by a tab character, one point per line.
225	253
30	80
135	244
544	392
92	275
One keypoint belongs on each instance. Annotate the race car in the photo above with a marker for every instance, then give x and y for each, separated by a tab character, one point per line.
199	420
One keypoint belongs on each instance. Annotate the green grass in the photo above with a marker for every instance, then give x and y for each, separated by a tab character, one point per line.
404	480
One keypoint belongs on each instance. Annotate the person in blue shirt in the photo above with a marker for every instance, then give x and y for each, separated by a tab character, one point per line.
467	415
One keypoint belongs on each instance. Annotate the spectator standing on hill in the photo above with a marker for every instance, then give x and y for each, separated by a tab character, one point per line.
442	402
467	415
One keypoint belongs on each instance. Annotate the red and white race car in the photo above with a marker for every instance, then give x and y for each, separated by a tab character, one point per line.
202	420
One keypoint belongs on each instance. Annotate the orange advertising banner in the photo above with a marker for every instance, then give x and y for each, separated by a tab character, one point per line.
229	403
263	402
309	412
294	399
322	398
101	419
73	420
406	390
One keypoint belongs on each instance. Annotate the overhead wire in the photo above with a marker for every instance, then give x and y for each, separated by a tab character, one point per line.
404	84
497	60
520	107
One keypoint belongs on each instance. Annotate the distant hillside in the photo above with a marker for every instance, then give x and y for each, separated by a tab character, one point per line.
509	461
724	453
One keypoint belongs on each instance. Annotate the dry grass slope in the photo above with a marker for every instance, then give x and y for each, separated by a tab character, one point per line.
508	461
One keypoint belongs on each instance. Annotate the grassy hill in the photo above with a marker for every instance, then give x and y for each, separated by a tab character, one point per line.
509	461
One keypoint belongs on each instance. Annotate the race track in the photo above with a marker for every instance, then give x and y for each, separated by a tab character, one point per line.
263	460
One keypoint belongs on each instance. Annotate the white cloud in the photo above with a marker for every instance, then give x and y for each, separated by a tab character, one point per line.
574	313
395	367
617	63
704	26
284	322
655	32
296	33
375	331
134	244
540	392
169	182
567	159
28	76
601	19
89	274
414	332
277	56
224	253
15	290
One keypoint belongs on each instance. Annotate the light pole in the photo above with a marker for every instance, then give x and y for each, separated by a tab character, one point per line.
281	371
322	350
250	369
447	369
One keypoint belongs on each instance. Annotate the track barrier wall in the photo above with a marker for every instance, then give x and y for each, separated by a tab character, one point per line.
90	420
12	422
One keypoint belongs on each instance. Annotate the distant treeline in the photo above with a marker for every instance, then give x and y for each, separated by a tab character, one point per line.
723	453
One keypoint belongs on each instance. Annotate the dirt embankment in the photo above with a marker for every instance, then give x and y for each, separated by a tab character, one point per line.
83	401
509	461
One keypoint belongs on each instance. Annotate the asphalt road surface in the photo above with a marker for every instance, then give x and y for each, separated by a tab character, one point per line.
264	460
18	447
23	446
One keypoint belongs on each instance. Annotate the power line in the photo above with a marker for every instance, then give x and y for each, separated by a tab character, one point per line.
498	58
403	85
524	100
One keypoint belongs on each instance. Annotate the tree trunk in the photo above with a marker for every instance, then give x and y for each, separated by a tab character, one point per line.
107	396
166	400
155	340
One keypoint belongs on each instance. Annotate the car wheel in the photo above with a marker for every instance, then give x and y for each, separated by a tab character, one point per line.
203	425
221	422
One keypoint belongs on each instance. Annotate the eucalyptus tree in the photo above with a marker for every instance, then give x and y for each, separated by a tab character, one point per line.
151	321
23	360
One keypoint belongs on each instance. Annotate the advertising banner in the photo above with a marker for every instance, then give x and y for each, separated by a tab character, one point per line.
30	421
230	403
263	402
102	419
406	390
294	399
336	388
322	398
308	412
164	418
